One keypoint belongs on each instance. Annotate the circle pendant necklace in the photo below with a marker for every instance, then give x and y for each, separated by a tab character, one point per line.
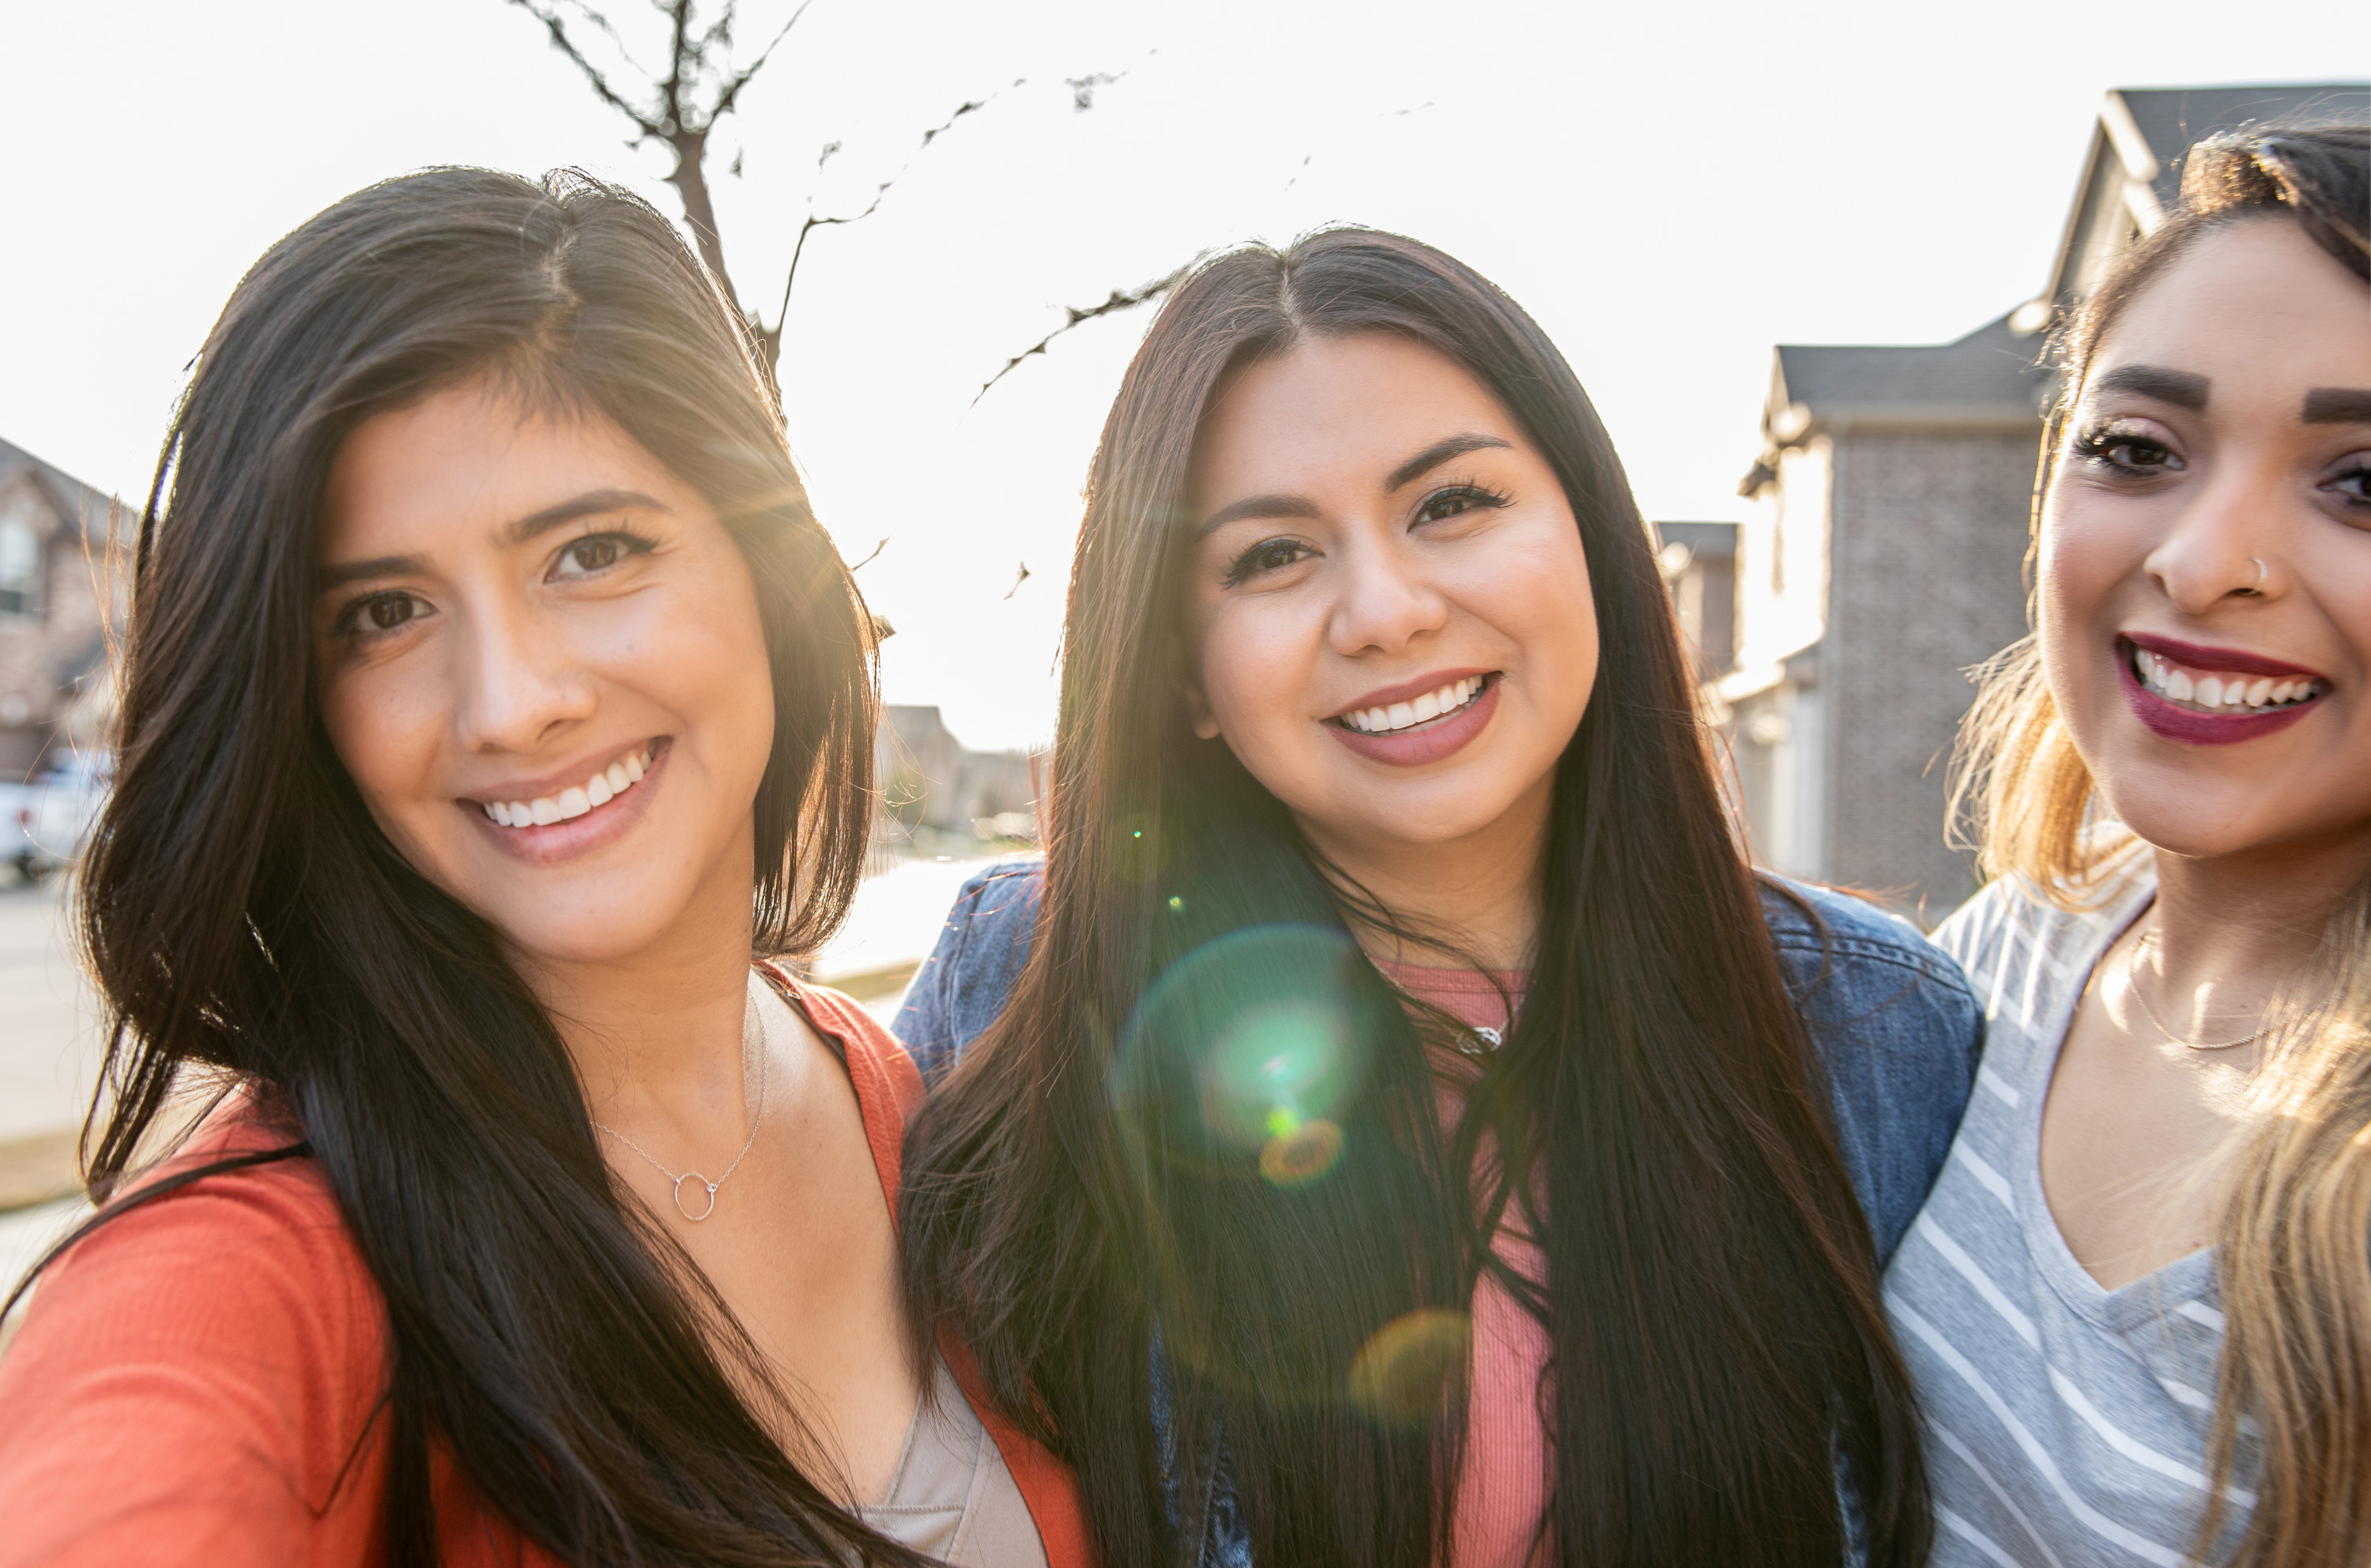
750	1022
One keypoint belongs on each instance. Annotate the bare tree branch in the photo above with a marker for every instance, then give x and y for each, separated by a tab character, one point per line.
1121	299
772	335
600	84
725	100
1018	581
876	550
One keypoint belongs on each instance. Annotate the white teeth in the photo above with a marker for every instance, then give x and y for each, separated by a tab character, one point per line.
598	791
1430	705
2231	694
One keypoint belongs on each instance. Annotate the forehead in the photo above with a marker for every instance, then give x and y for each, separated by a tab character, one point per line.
1331	403
467	459
2257	307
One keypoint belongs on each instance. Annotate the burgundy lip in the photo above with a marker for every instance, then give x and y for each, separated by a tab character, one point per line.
1436	739
552	783
554	843
2199	656
2169	722
1407	691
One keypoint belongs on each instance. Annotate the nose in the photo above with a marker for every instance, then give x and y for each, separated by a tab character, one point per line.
2224	544
517	685
1385	603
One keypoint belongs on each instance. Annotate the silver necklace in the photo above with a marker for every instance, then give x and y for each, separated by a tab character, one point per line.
693	1175
2133	983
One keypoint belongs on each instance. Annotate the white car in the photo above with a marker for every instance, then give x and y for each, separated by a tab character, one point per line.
55	813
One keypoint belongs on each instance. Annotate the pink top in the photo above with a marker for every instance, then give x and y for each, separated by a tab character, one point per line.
1502	1489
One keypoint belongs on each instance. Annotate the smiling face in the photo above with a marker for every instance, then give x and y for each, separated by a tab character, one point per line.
2205	556
543	667
1390	604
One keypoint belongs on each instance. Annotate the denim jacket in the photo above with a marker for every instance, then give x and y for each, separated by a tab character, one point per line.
1895	1026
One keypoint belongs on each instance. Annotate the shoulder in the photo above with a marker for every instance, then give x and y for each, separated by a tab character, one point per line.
208	1357
1897	1032
962	986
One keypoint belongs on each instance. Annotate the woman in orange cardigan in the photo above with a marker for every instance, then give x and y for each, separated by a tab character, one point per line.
493	711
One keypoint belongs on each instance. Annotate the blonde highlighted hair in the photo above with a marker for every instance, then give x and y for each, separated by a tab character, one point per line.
2295	1261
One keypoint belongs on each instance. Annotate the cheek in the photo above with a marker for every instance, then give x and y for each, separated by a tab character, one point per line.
384	726
1255	657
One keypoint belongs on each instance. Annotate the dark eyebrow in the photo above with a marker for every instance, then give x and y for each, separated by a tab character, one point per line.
384	566
550	517
517	532
2179	388
1439	452
1257	506
2338	404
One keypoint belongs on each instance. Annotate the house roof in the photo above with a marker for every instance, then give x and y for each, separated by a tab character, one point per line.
1990	375
2132	172
74	501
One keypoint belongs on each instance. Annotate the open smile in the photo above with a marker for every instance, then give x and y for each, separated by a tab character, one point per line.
547	822
2212	695
1409	726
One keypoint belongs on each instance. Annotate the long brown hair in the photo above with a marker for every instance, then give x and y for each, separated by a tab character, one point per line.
248	920
2295	1263
1089	1197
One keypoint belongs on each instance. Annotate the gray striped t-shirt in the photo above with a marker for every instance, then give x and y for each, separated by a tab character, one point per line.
2067	1424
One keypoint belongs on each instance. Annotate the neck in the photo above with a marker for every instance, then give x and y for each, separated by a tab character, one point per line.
656	1034
2231	933
1472	899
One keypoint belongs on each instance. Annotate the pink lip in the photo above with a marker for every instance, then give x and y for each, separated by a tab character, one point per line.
1407	691
2173	723
554	843
1414	748
2199	656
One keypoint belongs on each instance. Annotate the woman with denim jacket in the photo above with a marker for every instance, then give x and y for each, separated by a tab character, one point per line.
1394	1126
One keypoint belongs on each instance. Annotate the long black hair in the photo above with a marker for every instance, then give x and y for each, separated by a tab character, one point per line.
1124	1195
246	919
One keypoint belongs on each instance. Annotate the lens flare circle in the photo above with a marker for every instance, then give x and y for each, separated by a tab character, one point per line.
1412	1369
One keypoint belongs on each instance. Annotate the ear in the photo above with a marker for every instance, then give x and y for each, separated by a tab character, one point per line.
1198	708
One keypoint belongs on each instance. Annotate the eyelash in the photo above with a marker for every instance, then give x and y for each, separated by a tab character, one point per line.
348	624
633	543
1474	496
2096	445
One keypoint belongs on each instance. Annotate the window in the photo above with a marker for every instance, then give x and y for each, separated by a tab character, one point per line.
20	555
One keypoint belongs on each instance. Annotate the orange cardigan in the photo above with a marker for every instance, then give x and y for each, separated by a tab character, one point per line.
200	1382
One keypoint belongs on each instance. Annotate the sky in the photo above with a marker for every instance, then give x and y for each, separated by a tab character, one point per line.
1671	189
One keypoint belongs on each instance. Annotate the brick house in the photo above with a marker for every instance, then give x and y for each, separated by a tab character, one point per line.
1885	553
53	688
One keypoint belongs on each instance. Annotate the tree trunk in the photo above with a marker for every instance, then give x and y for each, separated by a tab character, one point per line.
691	180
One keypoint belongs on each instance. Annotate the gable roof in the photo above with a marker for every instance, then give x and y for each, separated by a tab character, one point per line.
72	500
2132	172
1990	376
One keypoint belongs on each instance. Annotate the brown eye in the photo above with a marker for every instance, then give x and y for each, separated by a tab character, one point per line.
596	553
1457	500
389	611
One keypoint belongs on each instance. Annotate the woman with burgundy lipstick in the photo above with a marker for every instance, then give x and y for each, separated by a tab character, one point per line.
2138	1302
495	713
1393	1126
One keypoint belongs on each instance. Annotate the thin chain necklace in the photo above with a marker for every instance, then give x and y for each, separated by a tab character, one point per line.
2133	983
754	1122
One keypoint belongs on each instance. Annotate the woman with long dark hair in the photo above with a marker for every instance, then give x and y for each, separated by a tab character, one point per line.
495	714
1394	1128
2138	1302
